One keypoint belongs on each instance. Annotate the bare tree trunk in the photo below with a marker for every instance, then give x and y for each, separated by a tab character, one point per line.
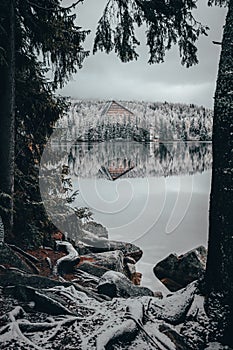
7	123
219	272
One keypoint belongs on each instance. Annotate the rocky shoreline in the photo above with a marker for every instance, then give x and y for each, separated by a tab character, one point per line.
82	296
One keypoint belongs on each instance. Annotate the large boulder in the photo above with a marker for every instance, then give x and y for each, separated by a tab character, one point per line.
109	260
128	249
176	272
96	228
115	284
92	269
87	241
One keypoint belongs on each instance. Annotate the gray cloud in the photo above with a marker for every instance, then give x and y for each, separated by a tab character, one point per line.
104	76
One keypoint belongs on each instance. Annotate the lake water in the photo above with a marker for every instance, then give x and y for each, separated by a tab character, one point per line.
160	203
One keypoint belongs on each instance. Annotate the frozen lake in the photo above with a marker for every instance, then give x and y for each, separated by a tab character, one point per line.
161	205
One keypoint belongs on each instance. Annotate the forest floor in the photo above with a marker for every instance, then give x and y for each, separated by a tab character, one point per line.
46	311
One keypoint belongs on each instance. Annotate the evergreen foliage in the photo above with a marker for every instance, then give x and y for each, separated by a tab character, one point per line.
46	31
167	23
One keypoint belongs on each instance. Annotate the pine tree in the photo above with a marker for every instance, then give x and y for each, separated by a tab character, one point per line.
184	135
167	23
28	29
219	277
7	107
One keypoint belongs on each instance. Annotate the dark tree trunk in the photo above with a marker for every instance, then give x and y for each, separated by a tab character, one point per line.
7	122
219	272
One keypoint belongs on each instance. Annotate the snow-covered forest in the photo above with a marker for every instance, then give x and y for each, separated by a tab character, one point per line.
88	120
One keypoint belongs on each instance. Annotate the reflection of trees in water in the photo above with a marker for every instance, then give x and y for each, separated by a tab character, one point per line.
182	158
152	159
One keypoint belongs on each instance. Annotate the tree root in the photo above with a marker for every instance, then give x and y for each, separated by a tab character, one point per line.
29	327
13	331
28	258
16	328
125	331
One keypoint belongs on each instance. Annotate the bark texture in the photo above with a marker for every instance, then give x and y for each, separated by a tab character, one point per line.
7	123
219	276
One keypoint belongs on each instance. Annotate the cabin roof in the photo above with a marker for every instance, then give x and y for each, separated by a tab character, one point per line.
115	108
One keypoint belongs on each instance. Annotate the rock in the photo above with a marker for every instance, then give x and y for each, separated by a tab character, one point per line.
136	278
115	284
92	269
171	285
81	248
158	295
86	279
99	263
131	252
91	244
129	260
96	228
124	332
128	249
177	272
109	260
92	240
130	270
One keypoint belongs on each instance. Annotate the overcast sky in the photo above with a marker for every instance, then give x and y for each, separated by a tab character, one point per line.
105	77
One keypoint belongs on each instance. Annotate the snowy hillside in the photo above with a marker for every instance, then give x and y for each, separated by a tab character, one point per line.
87	120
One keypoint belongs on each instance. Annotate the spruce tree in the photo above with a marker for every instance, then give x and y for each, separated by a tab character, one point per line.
30	30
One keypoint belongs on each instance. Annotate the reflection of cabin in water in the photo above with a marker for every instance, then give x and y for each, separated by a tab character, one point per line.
117	168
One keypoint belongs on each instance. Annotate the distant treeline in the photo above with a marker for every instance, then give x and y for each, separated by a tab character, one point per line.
166	121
